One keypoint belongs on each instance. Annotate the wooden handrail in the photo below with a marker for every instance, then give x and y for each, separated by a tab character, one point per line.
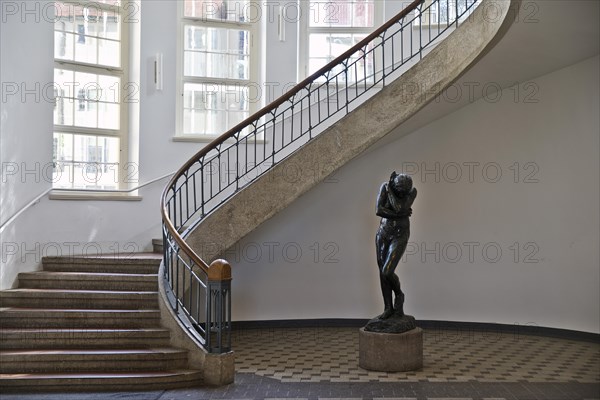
255	117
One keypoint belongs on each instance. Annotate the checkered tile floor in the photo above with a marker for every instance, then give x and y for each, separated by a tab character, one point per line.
322	364
331	355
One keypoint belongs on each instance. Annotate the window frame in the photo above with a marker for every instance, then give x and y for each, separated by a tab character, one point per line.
252	25
305	31
123	93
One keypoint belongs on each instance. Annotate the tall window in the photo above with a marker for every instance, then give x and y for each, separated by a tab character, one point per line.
90	116
333	26
217	66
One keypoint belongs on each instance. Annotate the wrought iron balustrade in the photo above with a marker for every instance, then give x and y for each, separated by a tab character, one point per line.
201	293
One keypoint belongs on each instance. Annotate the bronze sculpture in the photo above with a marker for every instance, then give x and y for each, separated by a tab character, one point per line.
394	204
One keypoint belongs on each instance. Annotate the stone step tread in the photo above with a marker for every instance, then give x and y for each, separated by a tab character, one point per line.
83	338
119	259
100	375
77	276
85	293
83	331
69	382
101	268
88	353
74	310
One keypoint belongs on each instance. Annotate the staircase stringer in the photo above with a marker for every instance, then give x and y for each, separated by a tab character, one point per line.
354	133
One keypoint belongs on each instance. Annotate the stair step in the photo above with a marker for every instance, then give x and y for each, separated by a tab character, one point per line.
14	317
81	299
91	360
88	280
83	338
92	382
139	263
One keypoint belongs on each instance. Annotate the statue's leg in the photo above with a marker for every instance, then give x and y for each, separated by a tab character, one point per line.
386	291
399	300
382	246
395	252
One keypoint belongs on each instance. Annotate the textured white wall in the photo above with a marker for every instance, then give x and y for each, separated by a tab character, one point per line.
26	106
541	213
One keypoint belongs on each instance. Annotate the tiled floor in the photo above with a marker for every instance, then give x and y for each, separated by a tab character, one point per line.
331	355
321	363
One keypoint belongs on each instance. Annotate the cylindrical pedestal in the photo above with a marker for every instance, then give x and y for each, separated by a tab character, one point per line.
391	352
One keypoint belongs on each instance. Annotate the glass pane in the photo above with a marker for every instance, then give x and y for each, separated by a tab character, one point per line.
188	123
314	64
86	48
110	88
239	67
109	148
84	148
194	63
325	47
108	116
78	29
83	161
86	113
63	147
319	45
213	108
236	117
223	10
216	39
216	122
109	52
107	26
115	3
216	52
364	14
216	66
81	96
63	16
62	175
342	13
63	45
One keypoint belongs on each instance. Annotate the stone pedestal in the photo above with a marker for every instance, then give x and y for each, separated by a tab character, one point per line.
391	352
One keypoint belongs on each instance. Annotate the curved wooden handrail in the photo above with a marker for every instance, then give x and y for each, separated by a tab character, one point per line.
255	117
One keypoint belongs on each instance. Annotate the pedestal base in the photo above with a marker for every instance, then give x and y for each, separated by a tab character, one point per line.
390	352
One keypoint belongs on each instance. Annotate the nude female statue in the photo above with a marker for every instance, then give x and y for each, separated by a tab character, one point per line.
394	207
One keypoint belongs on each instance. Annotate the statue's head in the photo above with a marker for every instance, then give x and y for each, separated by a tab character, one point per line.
402	183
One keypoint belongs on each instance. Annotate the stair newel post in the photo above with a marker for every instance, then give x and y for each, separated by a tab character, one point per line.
218	316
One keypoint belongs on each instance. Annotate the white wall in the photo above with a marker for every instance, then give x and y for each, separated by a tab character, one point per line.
26	62
348	288
551	214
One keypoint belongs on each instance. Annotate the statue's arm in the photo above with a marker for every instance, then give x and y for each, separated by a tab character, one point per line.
381	210
412	195
394	200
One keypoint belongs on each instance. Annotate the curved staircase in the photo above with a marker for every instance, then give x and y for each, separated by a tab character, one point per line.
242	179
87	324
